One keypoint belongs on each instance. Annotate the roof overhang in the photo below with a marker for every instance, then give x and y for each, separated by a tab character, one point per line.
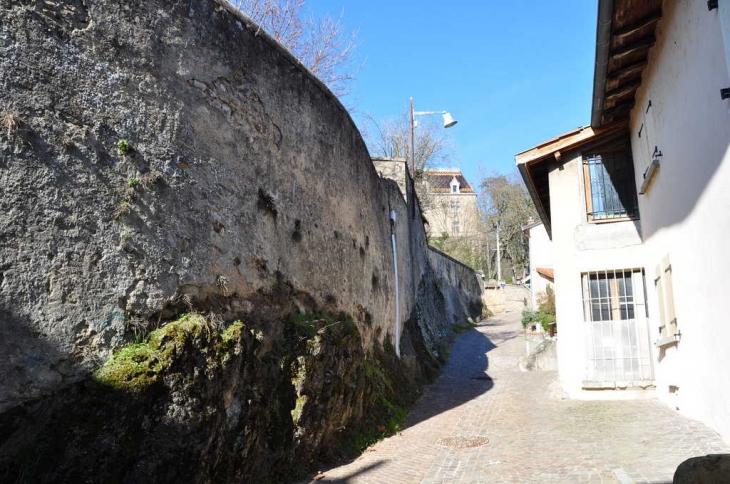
625	32
526	228
546	272
624	36
535	164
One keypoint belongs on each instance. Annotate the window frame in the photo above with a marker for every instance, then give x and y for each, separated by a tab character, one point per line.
455	207
587	186
615	300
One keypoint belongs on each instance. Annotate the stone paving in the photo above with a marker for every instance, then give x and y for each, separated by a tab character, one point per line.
534	436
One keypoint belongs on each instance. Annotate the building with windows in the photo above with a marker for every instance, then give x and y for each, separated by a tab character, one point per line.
636	205
450	204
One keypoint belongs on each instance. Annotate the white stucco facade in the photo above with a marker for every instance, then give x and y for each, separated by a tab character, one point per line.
685	214
540	257
579	247
680	236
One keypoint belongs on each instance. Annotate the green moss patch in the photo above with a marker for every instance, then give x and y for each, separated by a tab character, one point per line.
139	365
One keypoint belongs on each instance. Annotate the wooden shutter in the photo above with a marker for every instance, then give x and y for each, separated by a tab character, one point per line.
669	297
663	332
665	294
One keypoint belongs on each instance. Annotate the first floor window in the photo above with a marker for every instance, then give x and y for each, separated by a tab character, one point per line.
455	227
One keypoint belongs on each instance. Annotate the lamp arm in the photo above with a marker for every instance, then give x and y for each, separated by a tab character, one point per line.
424	113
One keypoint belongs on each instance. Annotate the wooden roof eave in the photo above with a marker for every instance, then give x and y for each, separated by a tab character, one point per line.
625	34
552	151
537	200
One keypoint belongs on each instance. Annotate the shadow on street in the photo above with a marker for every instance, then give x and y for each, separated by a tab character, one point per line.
466	375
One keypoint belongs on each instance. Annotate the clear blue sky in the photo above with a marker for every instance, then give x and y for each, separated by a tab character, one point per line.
513	73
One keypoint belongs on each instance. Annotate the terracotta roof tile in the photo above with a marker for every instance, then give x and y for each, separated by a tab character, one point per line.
545	272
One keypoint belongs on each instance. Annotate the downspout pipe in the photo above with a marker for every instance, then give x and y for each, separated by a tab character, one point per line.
603	45
397	288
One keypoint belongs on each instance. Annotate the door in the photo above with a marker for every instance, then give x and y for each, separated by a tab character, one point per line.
616	329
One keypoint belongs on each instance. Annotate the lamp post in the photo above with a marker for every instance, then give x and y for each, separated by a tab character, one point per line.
448	122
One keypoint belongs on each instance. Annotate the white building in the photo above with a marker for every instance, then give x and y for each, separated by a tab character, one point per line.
541	260
637	207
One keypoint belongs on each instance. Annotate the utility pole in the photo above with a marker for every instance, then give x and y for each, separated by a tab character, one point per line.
499	255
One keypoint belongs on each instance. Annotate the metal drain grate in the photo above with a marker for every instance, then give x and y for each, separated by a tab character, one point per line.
462	442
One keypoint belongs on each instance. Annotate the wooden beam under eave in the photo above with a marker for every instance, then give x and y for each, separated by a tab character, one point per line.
615	77
643	45
622	34
613	113
622	91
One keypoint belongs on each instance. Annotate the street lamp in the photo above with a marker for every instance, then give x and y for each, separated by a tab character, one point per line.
448	122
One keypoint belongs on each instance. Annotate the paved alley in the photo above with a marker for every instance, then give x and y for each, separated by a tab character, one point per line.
486	421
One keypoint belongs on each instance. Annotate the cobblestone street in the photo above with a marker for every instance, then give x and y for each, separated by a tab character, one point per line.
486	421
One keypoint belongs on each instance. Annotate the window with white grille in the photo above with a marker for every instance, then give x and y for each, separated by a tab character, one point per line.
616	329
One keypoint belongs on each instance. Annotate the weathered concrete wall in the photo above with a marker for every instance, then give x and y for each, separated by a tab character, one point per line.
458	282
392	169
245	176
684	212
541	353
511	298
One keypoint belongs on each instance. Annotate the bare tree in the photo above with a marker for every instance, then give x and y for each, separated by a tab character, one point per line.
392	137
505	201
323	45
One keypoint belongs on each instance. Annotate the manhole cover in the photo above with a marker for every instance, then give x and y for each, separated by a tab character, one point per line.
462	442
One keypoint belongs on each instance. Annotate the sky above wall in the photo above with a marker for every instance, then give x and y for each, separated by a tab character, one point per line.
512	73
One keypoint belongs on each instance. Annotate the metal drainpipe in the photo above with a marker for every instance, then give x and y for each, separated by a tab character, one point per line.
397	289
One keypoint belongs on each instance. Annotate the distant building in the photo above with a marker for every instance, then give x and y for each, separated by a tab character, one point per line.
450	204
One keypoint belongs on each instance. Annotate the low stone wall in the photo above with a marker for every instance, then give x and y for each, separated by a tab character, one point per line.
541	353
508	299
459	282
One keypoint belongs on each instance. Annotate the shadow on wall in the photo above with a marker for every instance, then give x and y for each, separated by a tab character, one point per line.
38	365
686	193
196	402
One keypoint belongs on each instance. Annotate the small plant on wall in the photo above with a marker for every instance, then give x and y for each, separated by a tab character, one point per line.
545	313
123	146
